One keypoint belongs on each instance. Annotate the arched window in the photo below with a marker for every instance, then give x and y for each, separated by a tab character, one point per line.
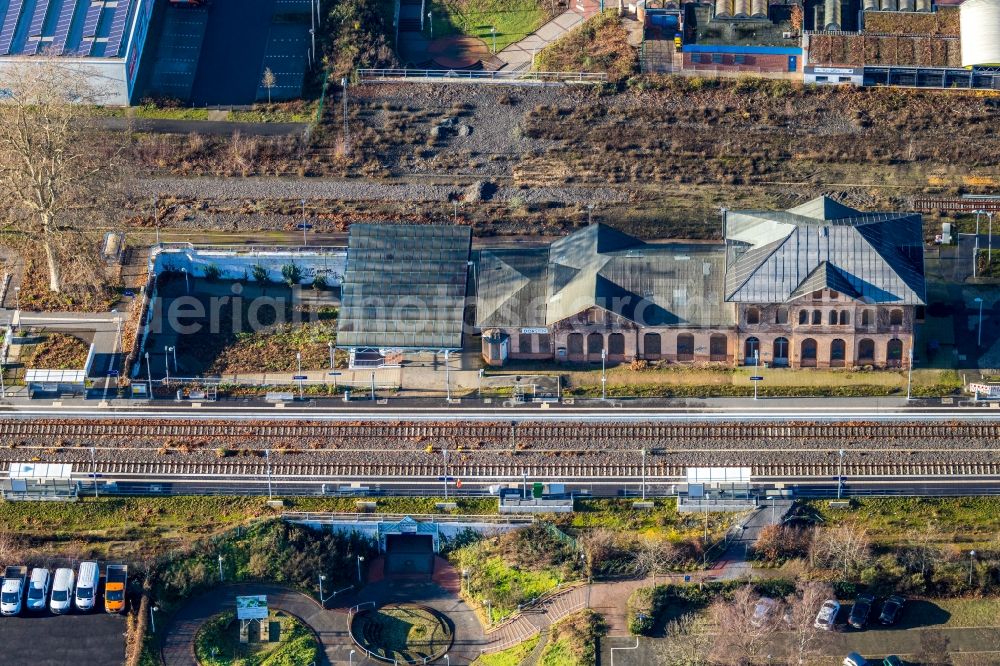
751	346
753	316
780	351
651	348
685	347
818	295
845	317
838	351
807	353
616	344
834	295
574	344
781	316
718	347
895	317
894	352
817	317
832	319
866	351
866	317
595	343
803	317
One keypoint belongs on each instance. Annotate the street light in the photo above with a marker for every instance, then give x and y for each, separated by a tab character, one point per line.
361	558
322	577
590	213
909	376
447	374
481	371
221	577
166	361
430	22
351	658
604	374
149	377
979	339
305	241
187	281
447	660
975	248
298	361
152	618
972	564
17	299
840	474
494	29
329	346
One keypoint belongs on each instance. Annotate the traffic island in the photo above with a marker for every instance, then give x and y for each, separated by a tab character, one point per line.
403	633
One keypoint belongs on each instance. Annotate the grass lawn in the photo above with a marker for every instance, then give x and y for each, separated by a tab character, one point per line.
952	612
573	640
221	635
404	631
893	520
168	113
662	521
513	19
513	656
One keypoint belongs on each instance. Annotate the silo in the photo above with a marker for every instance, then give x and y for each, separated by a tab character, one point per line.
741	8
980	25
758	8
723	8
831	15
888	5
923	5
871	5
907	5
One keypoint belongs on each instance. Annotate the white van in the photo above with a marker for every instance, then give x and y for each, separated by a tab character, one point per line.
62	591
86	585
38	589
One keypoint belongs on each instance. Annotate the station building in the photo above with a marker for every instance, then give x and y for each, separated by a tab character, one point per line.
819	285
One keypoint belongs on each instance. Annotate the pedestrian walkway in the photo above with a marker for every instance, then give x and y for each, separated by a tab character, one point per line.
733	562
521	54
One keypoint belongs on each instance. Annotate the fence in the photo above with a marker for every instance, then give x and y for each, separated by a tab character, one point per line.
500	76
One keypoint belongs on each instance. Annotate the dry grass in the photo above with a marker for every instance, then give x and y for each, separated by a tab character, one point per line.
58	351
599	44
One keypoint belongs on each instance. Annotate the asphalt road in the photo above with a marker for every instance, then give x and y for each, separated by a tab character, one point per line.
49	640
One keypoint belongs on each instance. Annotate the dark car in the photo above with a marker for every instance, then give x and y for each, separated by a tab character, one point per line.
891	609
861	610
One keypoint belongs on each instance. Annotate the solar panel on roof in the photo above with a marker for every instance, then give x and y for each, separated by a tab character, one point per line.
117	33
90	24
10	25
37	21
63	25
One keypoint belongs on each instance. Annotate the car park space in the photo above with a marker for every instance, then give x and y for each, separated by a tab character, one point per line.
50	640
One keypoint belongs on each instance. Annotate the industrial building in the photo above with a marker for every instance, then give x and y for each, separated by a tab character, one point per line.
819	285
101	41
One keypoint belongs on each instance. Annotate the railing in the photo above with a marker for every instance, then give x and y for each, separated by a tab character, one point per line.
481	76
372	655
395	517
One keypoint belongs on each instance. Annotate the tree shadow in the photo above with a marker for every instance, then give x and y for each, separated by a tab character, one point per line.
920	613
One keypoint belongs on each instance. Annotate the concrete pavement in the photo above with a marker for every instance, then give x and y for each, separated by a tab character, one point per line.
519	55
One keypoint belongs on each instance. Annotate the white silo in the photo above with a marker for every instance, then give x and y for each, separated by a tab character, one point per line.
906	5
758	8
723	8
923	5
741	8
871	5
980	24
888	5
831	15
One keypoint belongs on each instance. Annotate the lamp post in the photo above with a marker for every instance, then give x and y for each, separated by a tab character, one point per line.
156	219
909	376
350	658
298	362
152	618
221	577
149	377
972	564
187	281
322	577
494	29
361	558
989	241
975	248
447	374
445	452
447	660
267	464
166	362
305	241
93	470
840	474
756	366
430	22
3	387
373	385
480	391
590	213
17	299
644	475
604	374
979	338
329	346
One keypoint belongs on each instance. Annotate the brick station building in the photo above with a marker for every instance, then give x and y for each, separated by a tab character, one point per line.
820	285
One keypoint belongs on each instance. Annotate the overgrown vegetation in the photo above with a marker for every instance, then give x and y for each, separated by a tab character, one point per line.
512	656
355	36
57	351
600	44
218	643
573	640
517	566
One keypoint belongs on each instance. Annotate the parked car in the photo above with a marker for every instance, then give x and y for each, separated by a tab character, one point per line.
62	591
38	589
762	611
115	578
855	659
860	611
827	616
15	580
86	585
891	609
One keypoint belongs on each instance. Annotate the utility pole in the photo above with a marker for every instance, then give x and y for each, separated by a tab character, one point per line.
149	376
93	471
305	241
979	340
347	138
166	363
975	249
604	374
909	376
156	219
298	361
644	475
445	452
840	474
373	385
989	242
267	461
447	374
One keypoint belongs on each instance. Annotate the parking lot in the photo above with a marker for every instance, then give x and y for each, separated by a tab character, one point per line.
48	640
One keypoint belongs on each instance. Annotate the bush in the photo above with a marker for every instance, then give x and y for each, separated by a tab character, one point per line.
212	272
781	542
292	274
259	273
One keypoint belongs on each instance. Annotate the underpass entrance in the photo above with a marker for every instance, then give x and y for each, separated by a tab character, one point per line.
409	546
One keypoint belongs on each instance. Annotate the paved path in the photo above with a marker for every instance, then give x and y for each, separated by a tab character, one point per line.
733	562
520	54
331	627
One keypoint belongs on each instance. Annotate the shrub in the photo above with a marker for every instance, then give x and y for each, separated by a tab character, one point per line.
259	273
292	274
319	282
212	272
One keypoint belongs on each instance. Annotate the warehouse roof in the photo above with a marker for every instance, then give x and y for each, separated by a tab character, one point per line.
776	256
404	287
674	284
66	27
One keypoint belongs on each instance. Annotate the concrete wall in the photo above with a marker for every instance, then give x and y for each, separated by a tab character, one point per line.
237	262
104	77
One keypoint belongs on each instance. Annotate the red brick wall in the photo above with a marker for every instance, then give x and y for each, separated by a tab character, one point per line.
753	62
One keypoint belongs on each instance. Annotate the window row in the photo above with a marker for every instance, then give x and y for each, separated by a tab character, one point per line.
815	317
652	346
838	352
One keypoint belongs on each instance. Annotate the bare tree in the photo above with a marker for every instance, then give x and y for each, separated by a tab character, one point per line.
268	81
845	547
655	556
741	635
800	619
687	642
10	547
57	170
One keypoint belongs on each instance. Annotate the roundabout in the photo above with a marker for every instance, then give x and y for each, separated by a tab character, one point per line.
403	633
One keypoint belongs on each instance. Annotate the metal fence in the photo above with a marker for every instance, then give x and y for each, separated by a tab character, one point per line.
478	76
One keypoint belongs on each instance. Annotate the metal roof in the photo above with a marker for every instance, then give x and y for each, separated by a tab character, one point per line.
404	286
32	376
32	470
671	284
65	27
775	256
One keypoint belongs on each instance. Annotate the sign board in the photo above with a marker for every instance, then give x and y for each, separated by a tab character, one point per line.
299	377
334	374
251	608
756	378
535	331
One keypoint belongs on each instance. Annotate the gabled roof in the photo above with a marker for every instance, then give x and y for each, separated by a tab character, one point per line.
404	286
774	256
650	284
